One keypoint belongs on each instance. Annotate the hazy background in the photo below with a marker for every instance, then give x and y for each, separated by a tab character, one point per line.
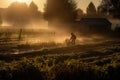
31	16
81	3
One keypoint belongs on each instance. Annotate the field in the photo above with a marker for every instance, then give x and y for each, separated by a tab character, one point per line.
95	61
59	40
15	41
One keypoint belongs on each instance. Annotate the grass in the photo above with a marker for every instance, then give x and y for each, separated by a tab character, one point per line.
61	67
81	62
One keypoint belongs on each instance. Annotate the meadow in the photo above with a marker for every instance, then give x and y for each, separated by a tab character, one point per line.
15	41
96	61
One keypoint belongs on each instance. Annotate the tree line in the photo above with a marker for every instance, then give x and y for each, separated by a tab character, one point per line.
20	14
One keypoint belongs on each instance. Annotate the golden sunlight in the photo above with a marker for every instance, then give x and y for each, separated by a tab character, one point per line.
23	1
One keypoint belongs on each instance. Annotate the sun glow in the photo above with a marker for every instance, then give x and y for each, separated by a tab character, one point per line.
23	1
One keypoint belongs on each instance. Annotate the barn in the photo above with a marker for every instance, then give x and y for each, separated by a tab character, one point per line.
93	25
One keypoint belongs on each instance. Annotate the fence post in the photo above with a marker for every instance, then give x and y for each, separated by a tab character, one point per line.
20	34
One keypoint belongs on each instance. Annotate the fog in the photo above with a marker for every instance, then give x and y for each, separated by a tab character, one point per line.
114	22
36	32
34	29
41	32
38	35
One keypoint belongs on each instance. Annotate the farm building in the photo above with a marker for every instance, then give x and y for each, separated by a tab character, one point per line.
93	25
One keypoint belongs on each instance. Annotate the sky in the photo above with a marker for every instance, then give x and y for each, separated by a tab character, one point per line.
40	3
84	3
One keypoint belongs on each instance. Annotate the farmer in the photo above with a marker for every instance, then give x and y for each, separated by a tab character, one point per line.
72	39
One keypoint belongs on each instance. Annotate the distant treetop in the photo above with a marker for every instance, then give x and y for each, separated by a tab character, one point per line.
91	10
110	7
61	10
33	6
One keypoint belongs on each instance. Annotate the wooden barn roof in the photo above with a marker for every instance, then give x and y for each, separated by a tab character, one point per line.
95	21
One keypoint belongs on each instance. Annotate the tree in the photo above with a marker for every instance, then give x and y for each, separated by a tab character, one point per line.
33	6
111	7
34	12
80	13
91	10
116	4
61	10
105	6
18	14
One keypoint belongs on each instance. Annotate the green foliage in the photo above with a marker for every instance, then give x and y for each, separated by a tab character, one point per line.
61	67
22	70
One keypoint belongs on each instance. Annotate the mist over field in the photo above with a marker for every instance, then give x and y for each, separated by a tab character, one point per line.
62	42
